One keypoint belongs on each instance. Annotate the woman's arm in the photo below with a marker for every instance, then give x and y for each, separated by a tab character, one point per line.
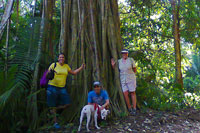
74	72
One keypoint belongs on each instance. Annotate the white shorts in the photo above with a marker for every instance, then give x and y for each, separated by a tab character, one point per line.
131	86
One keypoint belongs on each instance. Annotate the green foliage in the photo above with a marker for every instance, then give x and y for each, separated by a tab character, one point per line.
16	81
192	79
146	30
12	102
149	95
192	84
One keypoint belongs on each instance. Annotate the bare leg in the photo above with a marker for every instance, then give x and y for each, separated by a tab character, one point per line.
63	106
53	111
133	97
127	99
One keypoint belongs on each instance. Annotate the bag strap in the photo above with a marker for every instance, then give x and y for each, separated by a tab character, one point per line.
54	66
132	63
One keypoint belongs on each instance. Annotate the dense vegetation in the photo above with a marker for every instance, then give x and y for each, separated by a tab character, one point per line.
147	29
160	34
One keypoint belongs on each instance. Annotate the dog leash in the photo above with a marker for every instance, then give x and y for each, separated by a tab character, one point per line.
96	106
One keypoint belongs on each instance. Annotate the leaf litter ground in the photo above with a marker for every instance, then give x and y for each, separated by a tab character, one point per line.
151	121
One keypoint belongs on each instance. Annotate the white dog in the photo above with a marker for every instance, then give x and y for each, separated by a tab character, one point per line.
92	110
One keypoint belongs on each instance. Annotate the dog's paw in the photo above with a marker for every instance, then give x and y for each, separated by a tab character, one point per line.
88	130
79	129
98	127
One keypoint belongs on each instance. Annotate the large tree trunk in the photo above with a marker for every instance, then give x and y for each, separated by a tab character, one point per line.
176	33
49	28
61	43
90	33
6	16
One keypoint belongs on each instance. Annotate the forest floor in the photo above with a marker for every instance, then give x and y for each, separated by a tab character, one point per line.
151	121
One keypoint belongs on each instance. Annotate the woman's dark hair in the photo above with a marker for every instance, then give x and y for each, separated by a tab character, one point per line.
61	54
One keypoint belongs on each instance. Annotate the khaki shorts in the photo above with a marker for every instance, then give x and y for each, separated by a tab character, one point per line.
131	86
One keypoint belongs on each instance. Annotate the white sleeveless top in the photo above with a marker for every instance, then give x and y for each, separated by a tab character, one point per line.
127	74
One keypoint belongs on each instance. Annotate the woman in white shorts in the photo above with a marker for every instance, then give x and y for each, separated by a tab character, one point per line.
127	70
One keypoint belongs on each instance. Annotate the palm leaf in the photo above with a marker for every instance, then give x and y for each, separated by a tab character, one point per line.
14	93
16	90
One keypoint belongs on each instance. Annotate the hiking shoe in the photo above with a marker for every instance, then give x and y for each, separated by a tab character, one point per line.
130	111
56	126
134	111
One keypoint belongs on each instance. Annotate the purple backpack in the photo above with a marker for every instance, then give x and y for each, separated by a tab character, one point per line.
44	81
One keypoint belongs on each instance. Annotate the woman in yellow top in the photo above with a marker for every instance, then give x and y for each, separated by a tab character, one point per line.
57	95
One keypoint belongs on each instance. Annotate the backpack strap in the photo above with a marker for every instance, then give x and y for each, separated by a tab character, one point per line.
131	61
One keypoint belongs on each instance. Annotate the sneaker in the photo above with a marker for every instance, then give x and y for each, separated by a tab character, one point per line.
134	111
56	126
130	111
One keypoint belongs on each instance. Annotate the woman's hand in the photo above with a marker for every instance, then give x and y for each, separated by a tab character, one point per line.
113	62
77	70
134	70
83	66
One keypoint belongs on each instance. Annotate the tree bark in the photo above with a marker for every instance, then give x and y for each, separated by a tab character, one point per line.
7	49
34	6
49	28
6	16
61	43
90	33
177	45
17	10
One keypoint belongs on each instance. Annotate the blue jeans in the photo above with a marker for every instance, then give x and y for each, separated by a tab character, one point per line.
57	96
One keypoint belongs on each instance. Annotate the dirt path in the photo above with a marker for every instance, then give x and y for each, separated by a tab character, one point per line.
184	121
